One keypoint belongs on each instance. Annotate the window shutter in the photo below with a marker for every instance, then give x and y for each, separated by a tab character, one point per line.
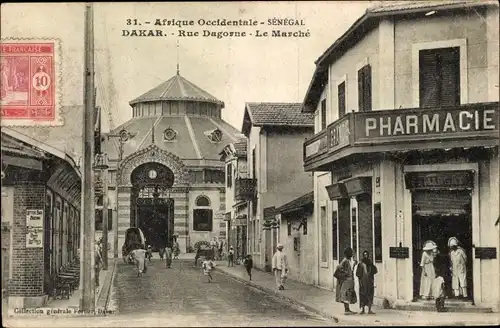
323	114
341	99
361	90
367	88
450	77
429	79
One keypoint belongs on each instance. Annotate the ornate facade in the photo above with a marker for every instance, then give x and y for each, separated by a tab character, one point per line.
164	160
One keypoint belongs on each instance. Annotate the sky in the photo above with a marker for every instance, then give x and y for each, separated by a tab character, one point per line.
233	69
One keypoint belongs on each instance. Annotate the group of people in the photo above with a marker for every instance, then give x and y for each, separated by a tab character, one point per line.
365	272
435	267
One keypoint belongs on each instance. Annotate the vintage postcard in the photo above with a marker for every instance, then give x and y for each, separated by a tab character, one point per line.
227	164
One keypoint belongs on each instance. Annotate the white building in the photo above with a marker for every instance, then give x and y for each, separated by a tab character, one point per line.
406	144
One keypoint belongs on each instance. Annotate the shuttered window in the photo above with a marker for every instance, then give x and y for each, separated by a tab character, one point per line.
365	89
341	98
439	77
323	114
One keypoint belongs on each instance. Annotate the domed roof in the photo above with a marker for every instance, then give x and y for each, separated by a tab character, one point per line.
177	88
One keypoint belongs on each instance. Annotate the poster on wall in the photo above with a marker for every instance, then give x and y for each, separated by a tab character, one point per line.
34	228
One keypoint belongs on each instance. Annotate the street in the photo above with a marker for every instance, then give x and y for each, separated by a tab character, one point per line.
181	296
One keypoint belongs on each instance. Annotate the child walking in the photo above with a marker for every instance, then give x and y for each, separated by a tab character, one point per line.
230	257
439	294
207	267
248	263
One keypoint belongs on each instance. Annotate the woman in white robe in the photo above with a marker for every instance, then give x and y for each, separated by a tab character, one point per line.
428	270
458	268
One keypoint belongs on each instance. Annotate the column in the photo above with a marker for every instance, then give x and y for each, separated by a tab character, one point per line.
388	210
124	212
181	224
26	287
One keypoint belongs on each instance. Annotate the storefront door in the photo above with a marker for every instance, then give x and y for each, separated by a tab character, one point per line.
438	216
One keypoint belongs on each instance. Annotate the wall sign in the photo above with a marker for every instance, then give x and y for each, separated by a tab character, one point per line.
440	180
338	134
423	122
399	252
485	253
34	228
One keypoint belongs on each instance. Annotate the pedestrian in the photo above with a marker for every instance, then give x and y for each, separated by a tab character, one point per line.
161	253
139	254
366	272
207	267
230	257
280	267
221	248
149	253
344	274
438	291
176	249
248	263
458	268
98	263
168	256
428	270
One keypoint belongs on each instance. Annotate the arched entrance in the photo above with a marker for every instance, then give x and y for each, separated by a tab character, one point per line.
152	208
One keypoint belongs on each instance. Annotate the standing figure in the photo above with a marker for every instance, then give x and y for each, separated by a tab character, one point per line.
221	248
366	272
280	267
207	267
230	257
149	253
344	274
98	263
176	249
248	263
213	246
161	253
139	254
168	256
458	268
428	270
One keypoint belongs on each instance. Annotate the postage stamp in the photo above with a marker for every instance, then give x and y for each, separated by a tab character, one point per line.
30	82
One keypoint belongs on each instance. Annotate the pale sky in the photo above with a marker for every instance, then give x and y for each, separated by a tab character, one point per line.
235	70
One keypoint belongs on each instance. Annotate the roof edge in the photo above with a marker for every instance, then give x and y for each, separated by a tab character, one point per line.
42	146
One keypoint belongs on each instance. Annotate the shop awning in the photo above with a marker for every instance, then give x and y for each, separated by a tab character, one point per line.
359	185
297	204
337	191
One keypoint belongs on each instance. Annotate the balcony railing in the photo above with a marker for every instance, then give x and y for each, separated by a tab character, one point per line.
245	189
476	124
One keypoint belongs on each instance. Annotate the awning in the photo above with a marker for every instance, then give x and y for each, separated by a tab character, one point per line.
297	203
358	186
337	191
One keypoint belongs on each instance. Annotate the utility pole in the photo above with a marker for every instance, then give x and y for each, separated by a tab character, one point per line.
87	263
105	212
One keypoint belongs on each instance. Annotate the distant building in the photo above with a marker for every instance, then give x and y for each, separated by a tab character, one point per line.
406	144
41	195
236	215
169	179
275	131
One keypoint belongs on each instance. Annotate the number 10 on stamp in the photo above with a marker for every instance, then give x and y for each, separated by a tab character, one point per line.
28	83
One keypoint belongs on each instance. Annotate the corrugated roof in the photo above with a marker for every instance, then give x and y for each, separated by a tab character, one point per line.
297	203
177	88
183	145
279	114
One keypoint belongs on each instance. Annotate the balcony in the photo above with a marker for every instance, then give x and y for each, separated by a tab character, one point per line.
471	125
245	189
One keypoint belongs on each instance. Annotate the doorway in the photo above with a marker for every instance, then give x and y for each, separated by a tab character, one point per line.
438	216
156	220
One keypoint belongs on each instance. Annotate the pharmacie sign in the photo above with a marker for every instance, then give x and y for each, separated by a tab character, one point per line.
457	121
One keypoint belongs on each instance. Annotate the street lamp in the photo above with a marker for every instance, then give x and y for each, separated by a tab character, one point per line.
123	136
101	165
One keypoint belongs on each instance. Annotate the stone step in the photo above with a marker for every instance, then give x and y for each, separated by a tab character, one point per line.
451	305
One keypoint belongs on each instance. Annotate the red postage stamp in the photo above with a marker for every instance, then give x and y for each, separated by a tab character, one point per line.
29	83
